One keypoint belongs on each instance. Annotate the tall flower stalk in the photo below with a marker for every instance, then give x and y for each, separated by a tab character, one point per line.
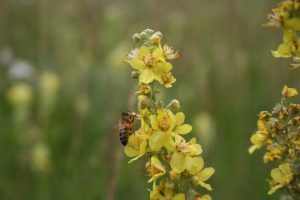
174	165
279	130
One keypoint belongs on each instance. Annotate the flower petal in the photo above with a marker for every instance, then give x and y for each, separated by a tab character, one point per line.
169	142
156	141
206	173
289	92
273	189
183	129
159	169
179	196
143	149
206	197
194	165
162	67
137	64
144	50
178	162
205	185
284	50
146	76
179	117
286	171
154	122
252	149
130	152
277	175
158	54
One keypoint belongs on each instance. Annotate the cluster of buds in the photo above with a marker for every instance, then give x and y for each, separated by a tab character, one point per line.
279	133
287	17
174	165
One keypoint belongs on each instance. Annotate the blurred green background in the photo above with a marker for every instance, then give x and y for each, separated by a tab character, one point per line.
63	87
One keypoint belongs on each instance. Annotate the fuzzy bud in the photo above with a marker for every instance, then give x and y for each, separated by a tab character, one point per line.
143	101
144	89
148	31
136	37
135	74
155	39
143	35
174	105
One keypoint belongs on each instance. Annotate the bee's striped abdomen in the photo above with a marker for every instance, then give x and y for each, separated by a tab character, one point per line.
124	136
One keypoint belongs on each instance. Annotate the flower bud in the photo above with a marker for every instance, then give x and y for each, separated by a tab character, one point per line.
144	89
174	105
143	35
158	33
135	74
136	37
148	31
143	101
155	39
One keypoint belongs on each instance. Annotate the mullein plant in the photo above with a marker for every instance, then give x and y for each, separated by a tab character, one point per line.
174	165
278	131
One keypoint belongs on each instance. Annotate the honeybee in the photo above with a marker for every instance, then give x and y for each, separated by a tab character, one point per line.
126	125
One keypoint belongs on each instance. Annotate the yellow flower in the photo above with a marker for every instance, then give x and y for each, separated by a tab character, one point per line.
144	89
181	128
138	143
289	92
165	127
285	50
170	53
155	168
282	176
151	65
203	175
259	139
183	156
167	79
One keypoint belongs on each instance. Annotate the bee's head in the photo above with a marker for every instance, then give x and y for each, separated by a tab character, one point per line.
130	116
